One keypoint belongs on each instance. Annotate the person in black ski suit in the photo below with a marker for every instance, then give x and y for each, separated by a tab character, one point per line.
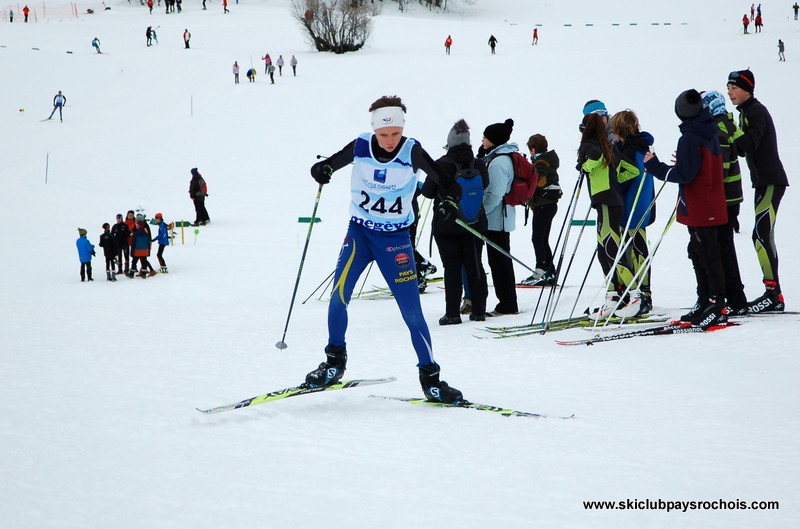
109	251
458	248
121	232
198	194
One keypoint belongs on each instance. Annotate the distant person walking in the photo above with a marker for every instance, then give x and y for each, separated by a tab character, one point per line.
781	56
235	72
11	16
59	100
186	37
535	36
26	12
447	43
96	44
225	7
271	72
198	191
280	65
795	7
293	64
492	43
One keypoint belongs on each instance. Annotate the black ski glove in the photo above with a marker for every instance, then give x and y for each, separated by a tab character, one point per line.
321	172
447	209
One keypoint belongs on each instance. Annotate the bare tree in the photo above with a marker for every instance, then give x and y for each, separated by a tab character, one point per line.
335	25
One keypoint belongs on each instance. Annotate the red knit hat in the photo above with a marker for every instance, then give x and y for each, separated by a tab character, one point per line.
159	216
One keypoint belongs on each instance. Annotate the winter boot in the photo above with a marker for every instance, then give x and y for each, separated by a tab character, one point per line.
127	268
466	307
770	301
143	274
331	370
113	276
713	313
448	320
437	390
164	270
152	272
108	276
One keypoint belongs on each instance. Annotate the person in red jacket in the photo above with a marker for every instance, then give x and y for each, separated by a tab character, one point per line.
701	203
745	23
447	43
535	36
26	12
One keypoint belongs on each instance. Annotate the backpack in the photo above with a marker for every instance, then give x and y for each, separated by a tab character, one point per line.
203	186
524	184
471	202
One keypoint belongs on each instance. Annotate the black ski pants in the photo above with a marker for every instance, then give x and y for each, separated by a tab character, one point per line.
457	251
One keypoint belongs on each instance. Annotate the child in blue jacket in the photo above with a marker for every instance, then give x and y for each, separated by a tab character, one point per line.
85	253
163	241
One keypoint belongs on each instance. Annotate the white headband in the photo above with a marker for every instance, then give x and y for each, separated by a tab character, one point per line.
387	117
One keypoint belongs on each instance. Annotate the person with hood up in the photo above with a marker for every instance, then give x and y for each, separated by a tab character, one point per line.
701	203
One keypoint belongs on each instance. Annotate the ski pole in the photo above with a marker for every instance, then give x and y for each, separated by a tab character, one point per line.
282	344
324	281
490	243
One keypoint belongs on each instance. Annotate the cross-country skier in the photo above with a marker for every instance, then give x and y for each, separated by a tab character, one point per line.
383	182
59	100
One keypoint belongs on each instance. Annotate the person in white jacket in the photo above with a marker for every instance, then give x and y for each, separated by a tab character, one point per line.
235	72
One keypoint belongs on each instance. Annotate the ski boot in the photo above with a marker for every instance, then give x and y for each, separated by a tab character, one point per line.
534	279
331	370
770	301
108	276
436	390
164	270
713	313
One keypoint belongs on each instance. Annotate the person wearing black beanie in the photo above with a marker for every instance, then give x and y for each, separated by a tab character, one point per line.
701	206
495	151
758	143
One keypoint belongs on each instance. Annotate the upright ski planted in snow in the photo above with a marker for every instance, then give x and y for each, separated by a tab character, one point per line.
295	391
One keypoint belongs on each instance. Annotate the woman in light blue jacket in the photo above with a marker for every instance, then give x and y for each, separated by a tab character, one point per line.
501	217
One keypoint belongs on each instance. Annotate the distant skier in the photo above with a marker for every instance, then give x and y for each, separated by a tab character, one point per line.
279	64
781	56
186	37
293	64
235	72
59	100
149	35
96	44
492	43
447	43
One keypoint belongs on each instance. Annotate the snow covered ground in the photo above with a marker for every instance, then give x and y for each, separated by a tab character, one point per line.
99	381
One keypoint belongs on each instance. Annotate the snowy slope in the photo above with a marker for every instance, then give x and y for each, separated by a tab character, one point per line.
99	381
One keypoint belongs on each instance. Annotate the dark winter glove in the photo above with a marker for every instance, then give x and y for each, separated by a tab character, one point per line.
321	172
447	209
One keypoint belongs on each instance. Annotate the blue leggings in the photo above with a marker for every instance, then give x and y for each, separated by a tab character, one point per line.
394	255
